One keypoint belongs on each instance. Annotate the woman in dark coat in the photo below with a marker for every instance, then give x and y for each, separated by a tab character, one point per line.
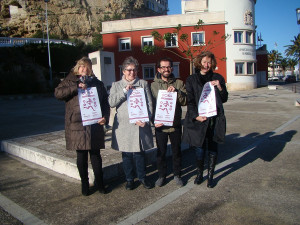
79	138
204	133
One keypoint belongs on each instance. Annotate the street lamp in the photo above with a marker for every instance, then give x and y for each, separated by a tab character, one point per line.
50	69
298	15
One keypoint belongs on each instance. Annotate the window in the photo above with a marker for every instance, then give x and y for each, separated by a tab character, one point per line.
172	42
148	71
238	37
124	44
239	68
245	68
250	67
249	39
197	38
244	37
176	69
147	41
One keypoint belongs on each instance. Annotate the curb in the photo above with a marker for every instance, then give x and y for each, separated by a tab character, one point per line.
67	166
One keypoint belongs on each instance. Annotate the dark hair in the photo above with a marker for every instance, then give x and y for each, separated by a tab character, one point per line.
167	59
198	59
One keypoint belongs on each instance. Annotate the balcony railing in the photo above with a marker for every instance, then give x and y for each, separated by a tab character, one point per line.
15	42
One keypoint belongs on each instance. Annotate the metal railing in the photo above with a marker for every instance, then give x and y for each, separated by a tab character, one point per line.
15	42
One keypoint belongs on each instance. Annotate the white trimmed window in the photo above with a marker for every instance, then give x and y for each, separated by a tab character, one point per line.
249	37
147	41
173	41
245	68
239	68
124	44
148	71
238	37
243	37
197	38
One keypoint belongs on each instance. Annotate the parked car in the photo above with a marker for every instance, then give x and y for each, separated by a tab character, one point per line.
273	78
289	79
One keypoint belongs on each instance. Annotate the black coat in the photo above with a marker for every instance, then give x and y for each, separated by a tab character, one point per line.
79	137
194	131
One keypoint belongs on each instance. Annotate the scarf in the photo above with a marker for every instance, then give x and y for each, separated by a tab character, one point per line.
129	82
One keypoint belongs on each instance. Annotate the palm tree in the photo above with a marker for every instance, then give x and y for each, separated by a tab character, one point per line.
274	57
283	63
292	62
294	49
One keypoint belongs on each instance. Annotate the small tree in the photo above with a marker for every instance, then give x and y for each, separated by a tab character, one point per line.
274	57
283	63
188	51
292	62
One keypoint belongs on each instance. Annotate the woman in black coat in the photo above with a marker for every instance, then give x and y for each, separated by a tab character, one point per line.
79	138
204	133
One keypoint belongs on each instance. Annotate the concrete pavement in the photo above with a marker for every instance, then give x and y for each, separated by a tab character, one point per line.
257	175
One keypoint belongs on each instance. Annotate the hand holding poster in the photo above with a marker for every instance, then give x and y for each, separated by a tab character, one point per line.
89	105
207	102
137	106
165	107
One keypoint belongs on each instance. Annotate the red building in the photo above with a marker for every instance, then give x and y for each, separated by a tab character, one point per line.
127	38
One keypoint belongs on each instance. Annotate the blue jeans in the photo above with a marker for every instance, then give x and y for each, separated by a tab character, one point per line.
131	160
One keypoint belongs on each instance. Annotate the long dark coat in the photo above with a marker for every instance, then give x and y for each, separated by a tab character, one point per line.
194	131
79	137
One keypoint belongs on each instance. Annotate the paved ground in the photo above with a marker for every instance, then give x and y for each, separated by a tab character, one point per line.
257	174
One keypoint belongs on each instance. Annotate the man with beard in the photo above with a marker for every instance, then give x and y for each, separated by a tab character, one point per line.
165	80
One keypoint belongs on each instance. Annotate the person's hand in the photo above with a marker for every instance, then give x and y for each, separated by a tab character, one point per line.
82	85
129	87
140	124
157	125
171	89
201	118
102	121
216	83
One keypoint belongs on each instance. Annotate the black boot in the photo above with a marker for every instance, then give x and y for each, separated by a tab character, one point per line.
199	178
99	183
212	160
82	166
85	188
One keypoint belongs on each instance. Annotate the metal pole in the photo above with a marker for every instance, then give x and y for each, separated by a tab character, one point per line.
50	69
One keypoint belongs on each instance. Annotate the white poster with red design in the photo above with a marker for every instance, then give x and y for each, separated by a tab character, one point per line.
137	105
165	107
89	105
207	106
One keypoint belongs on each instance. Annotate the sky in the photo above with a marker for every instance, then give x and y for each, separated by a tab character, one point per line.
275	20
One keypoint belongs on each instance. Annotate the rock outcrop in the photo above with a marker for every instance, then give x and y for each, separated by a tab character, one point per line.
67	19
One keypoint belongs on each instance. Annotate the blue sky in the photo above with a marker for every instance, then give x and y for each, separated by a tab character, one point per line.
275	20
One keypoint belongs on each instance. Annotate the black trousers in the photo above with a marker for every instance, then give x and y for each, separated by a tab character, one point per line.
162	141
82	164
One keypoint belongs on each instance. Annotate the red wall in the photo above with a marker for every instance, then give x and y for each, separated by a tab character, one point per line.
110	43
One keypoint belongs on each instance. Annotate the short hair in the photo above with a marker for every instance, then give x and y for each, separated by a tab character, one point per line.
130	61
198	59
167	59
84	61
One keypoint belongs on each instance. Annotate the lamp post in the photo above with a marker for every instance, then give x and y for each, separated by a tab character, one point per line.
50	69
298	15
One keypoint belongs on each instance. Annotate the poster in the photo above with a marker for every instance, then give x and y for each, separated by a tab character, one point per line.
207	103
137	105
89	105
165	107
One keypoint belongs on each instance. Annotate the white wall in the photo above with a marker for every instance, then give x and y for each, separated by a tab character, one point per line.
104	66
234	14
